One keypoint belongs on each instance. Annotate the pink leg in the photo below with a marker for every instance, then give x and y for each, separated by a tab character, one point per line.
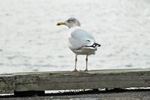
86	63
75	69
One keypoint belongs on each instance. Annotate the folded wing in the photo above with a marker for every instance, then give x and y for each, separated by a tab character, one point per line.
80	38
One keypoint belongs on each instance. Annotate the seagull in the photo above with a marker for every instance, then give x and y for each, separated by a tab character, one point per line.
80	41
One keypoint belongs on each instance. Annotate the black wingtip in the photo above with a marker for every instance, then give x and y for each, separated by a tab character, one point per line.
96	44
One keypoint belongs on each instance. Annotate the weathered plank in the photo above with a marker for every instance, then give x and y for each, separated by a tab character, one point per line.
73	80
7	83
83	80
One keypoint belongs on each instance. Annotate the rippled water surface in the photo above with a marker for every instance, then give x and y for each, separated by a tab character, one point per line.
31	41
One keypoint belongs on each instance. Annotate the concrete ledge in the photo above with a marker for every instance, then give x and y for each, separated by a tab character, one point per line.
41	81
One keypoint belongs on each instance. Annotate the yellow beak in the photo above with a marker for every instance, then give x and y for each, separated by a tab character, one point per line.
60	23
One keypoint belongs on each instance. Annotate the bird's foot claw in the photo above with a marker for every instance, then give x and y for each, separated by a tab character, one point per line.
86	70
75	70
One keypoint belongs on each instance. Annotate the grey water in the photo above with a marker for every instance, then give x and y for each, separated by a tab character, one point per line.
31	41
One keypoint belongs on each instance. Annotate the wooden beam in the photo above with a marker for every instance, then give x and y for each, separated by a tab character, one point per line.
41	81
7	83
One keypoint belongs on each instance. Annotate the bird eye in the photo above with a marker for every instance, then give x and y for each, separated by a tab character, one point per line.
69	21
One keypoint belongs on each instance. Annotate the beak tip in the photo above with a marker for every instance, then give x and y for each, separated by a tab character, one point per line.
60	23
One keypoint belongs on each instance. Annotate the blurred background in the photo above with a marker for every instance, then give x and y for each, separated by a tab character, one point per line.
31	41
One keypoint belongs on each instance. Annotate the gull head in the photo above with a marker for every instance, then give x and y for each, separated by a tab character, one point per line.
71	22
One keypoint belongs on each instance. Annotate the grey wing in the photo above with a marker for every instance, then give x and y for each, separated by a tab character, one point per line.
80	38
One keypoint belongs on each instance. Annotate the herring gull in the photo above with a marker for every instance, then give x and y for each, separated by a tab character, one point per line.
80	41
